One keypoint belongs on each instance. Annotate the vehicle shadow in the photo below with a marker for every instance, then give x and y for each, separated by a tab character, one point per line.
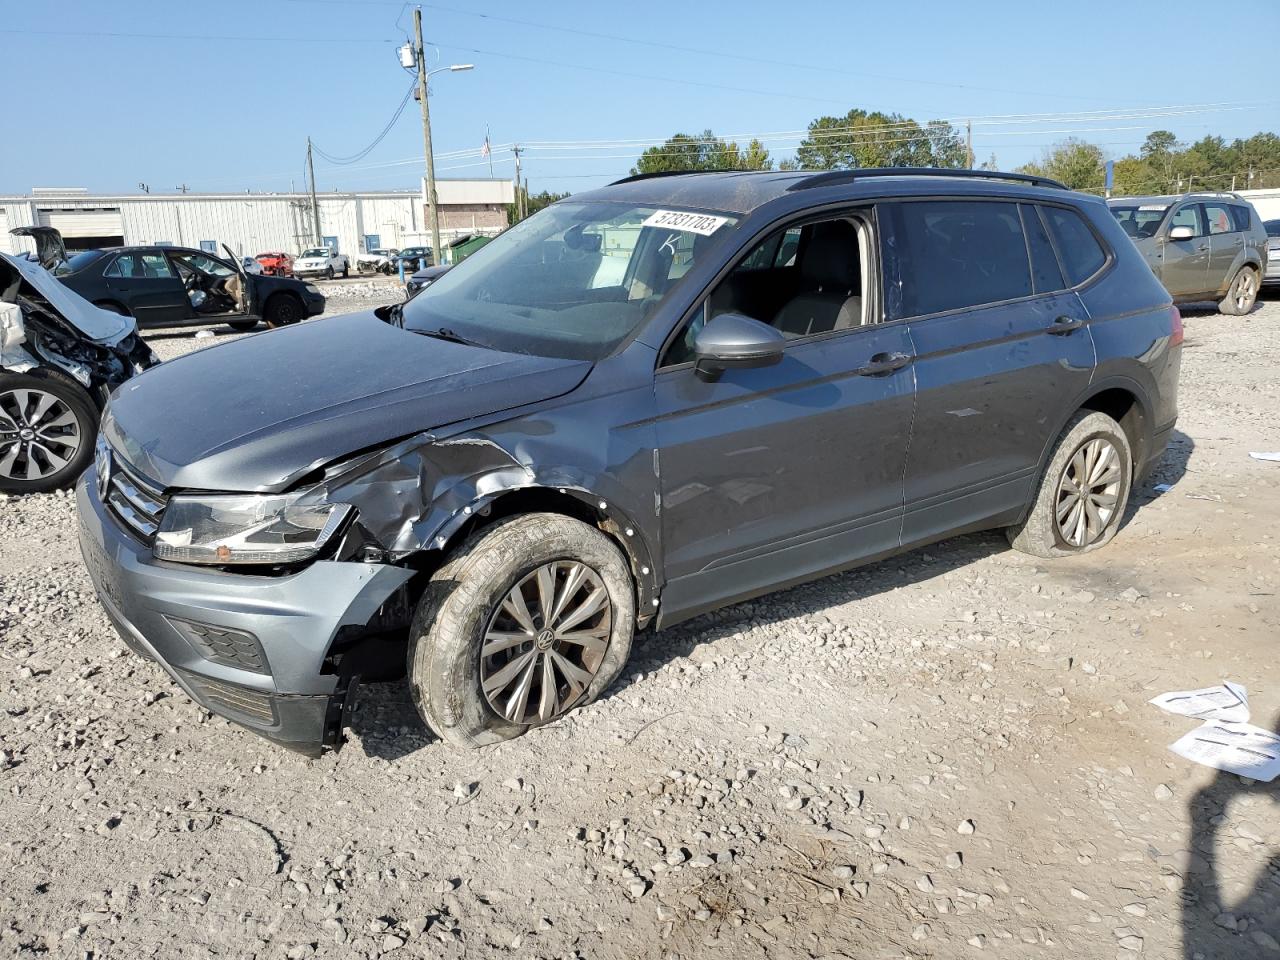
1216	925
387	725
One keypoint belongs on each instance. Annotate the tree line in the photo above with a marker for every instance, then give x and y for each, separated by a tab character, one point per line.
863	138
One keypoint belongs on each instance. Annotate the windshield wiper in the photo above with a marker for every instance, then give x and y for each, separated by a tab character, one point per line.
444	333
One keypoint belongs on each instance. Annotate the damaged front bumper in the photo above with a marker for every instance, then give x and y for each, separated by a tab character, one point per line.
256	650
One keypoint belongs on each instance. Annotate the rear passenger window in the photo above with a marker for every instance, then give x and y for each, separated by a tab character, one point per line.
1081	254
950	254
1218	218
1045	271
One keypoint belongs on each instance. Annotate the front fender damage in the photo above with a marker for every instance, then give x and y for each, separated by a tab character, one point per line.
420	493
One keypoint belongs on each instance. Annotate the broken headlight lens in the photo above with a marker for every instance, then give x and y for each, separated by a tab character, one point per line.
246	528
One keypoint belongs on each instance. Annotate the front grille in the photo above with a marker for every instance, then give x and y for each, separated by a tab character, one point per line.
231	698
234	648
137	503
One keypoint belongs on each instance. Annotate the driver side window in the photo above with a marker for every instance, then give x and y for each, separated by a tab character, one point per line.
804	280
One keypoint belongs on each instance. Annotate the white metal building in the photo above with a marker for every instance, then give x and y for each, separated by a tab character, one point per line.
252	223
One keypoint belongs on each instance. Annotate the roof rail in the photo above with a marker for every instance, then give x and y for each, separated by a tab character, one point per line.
831	177
1214	193
671	173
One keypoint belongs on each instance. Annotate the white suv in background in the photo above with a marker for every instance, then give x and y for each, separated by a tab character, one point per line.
321	262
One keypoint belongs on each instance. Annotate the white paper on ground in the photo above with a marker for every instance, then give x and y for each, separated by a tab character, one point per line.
1227	701
1238	748
1267	456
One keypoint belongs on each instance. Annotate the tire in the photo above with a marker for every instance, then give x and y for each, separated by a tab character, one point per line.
328	272
1241	294
346	270
114	308
242	325
1041	534
282	309
31	449
464	602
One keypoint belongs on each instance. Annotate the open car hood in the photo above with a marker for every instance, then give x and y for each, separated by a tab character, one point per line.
50	250
98	325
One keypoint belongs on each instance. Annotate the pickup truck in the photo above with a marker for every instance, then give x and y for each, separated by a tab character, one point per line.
321	262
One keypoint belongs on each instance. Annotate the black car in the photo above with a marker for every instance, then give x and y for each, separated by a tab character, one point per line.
170	286
413	258
644	403
421	279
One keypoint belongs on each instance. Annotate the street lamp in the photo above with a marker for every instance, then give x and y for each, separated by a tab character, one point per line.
421	61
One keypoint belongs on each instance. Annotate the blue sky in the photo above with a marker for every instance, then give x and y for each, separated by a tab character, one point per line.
222	95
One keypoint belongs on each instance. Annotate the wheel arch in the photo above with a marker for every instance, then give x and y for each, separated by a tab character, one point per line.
1123	400
109	303
576	502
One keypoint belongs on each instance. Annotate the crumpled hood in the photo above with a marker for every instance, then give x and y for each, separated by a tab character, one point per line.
101	326
259	412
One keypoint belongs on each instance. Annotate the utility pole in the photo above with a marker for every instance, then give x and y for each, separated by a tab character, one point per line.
315	206
433	204
519	194
968	142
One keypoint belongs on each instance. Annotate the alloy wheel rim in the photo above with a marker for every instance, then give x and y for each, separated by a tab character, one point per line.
545	642
1089	492
1244	290
39	434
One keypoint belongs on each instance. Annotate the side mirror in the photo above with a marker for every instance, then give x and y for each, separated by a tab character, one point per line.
732	340
1181	233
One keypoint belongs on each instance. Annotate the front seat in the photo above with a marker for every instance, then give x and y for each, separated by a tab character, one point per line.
830	281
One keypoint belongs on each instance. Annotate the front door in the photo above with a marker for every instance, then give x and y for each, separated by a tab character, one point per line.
1001	344
776	474
145	282
1184	264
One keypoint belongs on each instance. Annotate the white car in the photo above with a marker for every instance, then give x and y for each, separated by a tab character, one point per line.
380	260
321	262
251	265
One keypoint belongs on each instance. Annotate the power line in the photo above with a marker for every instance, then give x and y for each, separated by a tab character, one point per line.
344	161
123	35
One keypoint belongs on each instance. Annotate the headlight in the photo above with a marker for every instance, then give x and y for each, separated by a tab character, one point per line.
248	528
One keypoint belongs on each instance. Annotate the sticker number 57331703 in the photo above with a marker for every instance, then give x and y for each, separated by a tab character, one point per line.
700	223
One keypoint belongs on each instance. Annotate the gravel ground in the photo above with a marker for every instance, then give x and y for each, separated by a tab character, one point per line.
948	754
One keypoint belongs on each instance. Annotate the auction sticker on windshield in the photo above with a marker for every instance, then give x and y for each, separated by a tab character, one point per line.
704	224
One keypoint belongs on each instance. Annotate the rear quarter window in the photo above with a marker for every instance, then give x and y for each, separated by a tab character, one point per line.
1079	250
1240	217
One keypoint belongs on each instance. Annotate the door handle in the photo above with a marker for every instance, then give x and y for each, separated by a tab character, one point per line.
884	363
1203	247
1063	325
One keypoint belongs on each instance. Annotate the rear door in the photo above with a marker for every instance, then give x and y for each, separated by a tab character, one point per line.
146	283
1226	242
1000	343
1184	268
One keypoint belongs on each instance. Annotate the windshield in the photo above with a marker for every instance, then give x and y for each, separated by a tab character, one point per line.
77	261
572	281
322	252
1140	220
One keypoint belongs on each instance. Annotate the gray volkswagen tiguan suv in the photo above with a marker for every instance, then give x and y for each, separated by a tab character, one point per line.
642	403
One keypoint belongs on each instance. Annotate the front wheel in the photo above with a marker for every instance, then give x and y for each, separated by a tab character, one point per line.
328	273
282	310
1083	492
1241	294
47	429
530	619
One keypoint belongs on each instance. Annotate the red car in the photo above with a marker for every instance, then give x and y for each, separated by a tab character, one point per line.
276	264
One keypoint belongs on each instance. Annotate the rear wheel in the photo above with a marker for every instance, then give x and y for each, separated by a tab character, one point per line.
346	270
282	310
1083	492
1241	294
47	429
530	619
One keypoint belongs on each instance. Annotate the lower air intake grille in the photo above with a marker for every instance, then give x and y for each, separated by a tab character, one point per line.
231	698
235	648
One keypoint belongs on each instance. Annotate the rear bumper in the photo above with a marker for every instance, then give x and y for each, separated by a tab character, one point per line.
252	649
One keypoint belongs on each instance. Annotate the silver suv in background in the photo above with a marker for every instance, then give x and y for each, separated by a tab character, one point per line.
1202	246
1272	274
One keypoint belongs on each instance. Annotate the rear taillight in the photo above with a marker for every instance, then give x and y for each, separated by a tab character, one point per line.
1175	319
